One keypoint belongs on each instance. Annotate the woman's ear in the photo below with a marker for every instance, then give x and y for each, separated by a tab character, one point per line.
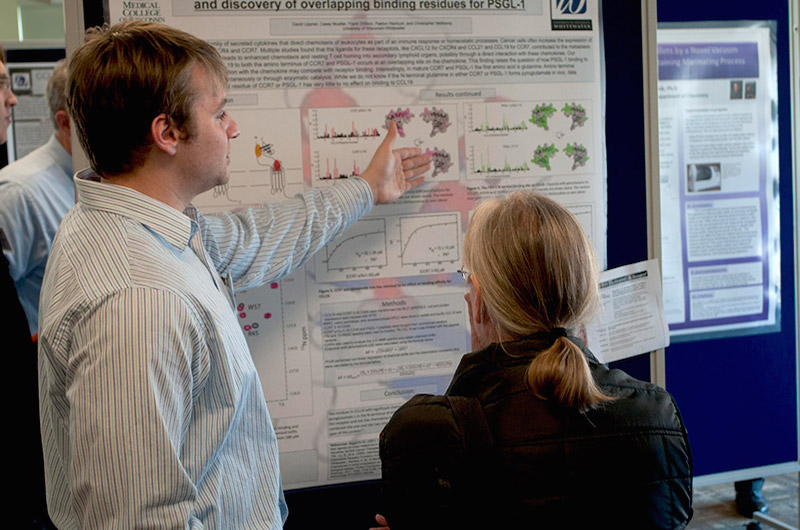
482	329
478	309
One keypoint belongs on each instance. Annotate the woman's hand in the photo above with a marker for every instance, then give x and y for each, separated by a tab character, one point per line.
381	521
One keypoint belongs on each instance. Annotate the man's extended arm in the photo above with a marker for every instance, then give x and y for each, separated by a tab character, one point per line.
259	244
263	243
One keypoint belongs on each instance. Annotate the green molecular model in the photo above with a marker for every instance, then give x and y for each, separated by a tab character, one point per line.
577	113
543	154
541	114
577	153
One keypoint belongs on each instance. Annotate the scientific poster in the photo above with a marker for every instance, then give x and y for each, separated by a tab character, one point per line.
30	119
504	94
719	181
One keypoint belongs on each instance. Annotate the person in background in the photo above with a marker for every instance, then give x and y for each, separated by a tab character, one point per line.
533	431
36	192
29	504
152	411
749	498
7	98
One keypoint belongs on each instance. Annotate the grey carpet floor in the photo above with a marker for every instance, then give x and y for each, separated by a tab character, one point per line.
714	505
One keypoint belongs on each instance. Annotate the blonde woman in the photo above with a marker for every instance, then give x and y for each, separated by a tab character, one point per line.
533	431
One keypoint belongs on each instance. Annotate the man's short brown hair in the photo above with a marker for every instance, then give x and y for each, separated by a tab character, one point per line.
125	75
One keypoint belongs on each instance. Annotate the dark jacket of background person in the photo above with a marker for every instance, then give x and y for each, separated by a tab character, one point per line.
30	508
624	464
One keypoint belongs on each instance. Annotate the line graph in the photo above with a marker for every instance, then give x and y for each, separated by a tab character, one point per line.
427	239
393	246
342	140
362	246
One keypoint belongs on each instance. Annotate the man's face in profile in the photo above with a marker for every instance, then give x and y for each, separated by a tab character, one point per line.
7	100
205	156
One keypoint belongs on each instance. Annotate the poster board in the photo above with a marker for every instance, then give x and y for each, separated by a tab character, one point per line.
504	96
719	167
29	69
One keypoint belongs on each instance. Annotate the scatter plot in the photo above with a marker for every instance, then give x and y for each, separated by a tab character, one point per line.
362	246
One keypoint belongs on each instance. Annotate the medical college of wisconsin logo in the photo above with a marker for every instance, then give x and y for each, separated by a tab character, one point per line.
570	15
147	10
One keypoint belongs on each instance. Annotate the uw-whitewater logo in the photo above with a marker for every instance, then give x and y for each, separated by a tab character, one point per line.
570	15
21	82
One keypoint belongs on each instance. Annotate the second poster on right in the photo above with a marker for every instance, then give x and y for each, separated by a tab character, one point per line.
719	180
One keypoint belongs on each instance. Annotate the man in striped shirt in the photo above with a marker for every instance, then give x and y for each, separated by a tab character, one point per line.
152	412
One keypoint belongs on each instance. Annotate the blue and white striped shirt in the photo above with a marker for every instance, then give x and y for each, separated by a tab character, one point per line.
35	193
151	409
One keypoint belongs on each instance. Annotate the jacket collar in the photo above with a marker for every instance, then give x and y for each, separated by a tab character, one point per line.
524	349
511	353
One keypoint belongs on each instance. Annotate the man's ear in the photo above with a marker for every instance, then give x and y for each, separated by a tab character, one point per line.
62	121
165	135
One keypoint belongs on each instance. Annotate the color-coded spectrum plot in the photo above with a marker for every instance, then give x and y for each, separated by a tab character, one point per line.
506	118
352	133
343	140
332	171
488	165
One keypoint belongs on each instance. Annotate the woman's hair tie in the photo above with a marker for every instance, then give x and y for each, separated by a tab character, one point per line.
557	333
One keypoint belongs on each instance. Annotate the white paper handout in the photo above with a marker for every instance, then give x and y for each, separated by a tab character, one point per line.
631	319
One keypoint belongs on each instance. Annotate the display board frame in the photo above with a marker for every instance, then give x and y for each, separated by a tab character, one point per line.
628	36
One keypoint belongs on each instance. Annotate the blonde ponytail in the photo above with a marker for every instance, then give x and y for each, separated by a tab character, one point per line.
561	373
536	271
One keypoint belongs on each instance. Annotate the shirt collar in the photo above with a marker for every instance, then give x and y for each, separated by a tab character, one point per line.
175	227
63	159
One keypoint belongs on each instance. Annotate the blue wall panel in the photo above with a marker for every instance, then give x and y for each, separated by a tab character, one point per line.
738	395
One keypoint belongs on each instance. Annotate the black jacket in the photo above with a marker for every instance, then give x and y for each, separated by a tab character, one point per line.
625	464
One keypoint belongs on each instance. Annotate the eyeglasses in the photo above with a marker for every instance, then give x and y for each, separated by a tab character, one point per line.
465	274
